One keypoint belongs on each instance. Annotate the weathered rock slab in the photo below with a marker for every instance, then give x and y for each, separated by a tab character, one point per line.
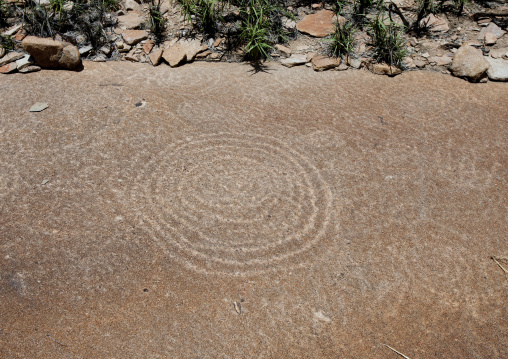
132	37
319	24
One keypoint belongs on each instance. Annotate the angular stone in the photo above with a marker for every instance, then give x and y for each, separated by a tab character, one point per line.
11	57
498	69
155	57
132	5
12	30
7	69
85	50
322	63
496	53
192	48
469	63
283	49
31	68
130	21
342	67
294	60
51	53
440	60
319	24
385	69
490	39
132	37
2	52
435	23
175	55
148	46
24	62
203	54
492	28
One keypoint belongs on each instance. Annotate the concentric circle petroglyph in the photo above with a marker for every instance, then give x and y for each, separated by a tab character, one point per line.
234	204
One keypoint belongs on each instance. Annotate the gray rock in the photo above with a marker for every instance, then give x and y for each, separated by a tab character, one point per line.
469	63
30	68
2	52
85	50
11	57
294	60
25	61
130	21
38	107
494	29
498	70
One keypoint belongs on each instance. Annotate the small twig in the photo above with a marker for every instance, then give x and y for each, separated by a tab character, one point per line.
499	264
402	355
53	339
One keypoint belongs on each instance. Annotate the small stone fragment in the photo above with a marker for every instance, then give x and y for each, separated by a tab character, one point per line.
283	49
31	68
294	60
38	107
155	57
148	46
9	68
385	69
319	24
322	63
11	57
132	37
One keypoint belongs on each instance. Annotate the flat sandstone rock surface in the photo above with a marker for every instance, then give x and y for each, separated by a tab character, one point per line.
209	211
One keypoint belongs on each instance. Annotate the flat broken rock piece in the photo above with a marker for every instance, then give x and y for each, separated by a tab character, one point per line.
39	106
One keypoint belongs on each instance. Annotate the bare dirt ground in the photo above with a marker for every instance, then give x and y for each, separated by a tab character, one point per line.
213	212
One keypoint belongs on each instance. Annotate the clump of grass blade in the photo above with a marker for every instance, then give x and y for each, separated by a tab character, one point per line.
388	41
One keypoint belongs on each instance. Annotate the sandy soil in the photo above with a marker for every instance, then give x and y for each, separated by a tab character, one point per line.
213	212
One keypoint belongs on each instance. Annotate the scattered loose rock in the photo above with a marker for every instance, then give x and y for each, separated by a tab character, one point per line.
130	21
435	23
384	69
319	24
38	107
175	55
498	69
155	57
10	57
283	49
469	63
51	53
132	37
30	68
294	60
440	60
322	63
7	69
495	30
2	52
148	46
24	62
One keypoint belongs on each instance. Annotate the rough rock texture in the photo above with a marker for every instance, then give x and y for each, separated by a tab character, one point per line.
321	63
469	63
435	23
294	60
175	55
24	62
10	57
440	60
130	21
385	69
282	214
30	68
495	30
319	24
499	53
498	69
155	57
51	53
191	48
148	46
132	37
9	68
2	52
283	49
